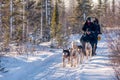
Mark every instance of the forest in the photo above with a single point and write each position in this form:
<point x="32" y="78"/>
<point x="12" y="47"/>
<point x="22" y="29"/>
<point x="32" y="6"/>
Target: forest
<point x="25" y="22"/>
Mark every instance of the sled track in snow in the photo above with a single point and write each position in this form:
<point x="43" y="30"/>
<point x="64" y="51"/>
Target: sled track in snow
<point x="50" y="67"/>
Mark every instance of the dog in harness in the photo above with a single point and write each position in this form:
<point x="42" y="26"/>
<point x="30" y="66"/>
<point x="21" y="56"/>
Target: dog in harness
<point x="74" y="55"/>
<point x="81" y="54"/>
<point x="66" y="55"/>
<point x="88" y="49"/>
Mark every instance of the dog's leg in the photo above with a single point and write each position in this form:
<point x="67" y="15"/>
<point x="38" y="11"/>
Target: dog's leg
<point x="63" y="62"/>
<point x="86" y="54"/>
<point x="71" y="61"/>
<point x="90" y="53"/>
<point x="78" y="60"/>
<point x="68" y="60"/>
<point x="81" y="55"/>
<point x="94" y="49"/>
<point x="75" y="62"/>
<point x="81" y="58"/>
<point x="78" y="57"/>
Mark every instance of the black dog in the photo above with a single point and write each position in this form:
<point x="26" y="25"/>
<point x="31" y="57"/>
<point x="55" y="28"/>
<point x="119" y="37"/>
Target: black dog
<point x="66" y="55"/>
<point x="80" y="47"/>
<point x="66" y="52"/>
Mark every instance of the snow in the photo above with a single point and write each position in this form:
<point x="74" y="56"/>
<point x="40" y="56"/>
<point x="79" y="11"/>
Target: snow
<point x="46" y="64"/>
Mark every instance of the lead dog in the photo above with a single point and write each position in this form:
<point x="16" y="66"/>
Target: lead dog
<point x="65" y="55"/>
<point x="81" y="54"/>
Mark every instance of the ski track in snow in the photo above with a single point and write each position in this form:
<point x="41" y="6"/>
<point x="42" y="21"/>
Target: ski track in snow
<point x="50" y="68"/>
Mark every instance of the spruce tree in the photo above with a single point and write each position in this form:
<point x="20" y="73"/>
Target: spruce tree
<point x="62" y="37"/>
<point x="56" y="26"/>
<point x="55" y="21"/>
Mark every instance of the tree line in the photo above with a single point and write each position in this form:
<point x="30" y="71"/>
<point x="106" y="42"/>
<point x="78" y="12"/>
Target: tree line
<point x="51" y="19"/>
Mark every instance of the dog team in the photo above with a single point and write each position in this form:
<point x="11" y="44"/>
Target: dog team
<point x="75" y="55"/>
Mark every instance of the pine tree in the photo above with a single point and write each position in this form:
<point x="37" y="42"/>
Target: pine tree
<point x="63" y="33"/>
<point x="56" y="26"/>
<point x="55" y="21"/>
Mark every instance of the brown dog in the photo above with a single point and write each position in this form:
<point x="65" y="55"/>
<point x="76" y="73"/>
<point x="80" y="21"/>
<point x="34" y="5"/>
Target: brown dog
<point x="74" y="56"/>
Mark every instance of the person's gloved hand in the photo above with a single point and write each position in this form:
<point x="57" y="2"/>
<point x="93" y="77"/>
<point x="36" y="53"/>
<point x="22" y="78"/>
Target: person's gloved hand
<point x="99" y="37"/>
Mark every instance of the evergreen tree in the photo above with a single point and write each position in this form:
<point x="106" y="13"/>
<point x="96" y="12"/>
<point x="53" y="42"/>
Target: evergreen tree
<point x="56" y="26"/>
<point x="55" y="21"/>
<point x="63" y="33"/>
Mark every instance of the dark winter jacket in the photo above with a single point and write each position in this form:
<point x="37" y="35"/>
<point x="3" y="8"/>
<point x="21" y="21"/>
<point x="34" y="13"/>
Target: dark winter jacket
<point x="88" y="26"/>
<point x="88" y="38"/>
<point x="94" y="28"/>
<point x="97" y="28"/>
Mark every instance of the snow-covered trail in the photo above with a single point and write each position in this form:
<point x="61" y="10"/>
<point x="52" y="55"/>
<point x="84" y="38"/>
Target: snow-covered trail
<point x="50" y="68"/>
